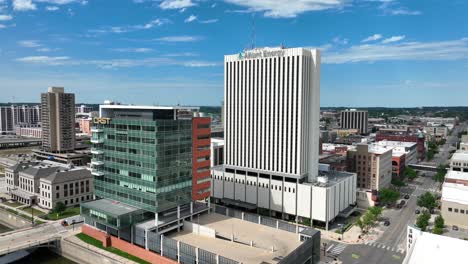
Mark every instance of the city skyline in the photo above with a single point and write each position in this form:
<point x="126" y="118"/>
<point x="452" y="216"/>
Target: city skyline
<point x="171" y="52"/>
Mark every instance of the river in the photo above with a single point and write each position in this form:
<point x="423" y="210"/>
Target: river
<point x="39" y="256"/>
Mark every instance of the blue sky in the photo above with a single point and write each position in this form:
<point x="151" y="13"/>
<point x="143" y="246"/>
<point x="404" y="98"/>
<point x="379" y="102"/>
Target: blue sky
<point x="374" y="52"/>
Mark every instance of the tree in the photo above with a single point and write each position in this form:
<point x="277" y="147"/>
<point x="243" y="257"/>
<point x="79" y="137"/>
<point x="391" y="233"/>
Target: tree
<point x="410" y="173"/>
<point x="423" y="221"/>
<point x="427" y="200"/>
<point x="439" y="222"/>
<point x="376" y="211"/>
<point x="388" y="196"/>
<point x="438" y="230"/>
<point x="440" y="175"/>
<point x="59" y="208"/>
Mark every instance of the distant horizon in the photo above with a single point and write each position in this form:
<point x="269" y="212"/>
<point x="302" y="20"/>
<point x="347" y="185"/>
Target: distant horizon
<point x="349" y="107"/>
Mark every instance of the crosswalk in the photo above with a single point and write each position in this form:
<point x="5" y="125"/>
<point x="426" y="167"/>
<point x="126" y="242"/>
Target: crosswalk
<point x="382" y="246"/>
<point x="335" y="249"/>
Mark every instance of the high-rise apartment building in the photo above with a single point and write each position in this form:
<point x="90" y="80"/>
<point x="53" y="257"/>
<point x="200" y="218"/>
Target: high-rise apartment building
<point x="355" y="119"/>
<point x="6" y="120"/>
<point x="271" y="150"/>
<point x="58" y="120"/>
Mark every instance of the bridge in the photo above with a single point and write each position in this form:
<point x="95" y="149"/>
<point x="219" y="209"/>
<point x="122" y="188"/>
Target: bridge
<point x="421" y="167"/>
<point x="47" y="235"/>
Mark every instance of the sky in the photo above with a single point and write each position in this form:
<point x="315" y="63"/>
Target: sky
<point x="390" y="53"/>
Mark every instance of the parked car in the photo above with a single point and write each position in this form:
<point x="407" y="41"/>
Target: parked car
<point x="398" y="206"/>
<point x="407" y="196"/>
<point x="432" y="211"/>
<point x="402" y="202"/>
<point x="455" y="228"/>
<point x="387" y="223"/>
<point x="64" y="223"/>
<point x="417" y="211"/>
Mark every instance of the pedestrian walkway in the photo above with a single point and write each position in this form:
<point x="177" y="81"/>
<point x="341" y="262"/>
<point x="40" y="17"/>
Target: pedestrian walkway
<point x="336" y="249"/>
<point x="383" y="246"/>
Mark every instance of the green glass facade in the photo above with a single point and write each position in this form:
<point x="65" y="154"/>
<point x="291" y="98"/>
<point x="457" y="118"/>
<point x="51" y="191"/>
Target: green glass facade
<point x="144" y="163"/>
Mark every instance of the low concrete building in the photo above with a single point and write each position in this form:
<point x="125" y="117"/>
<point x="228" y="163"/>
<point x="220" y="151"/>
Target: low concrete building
<point x="333" y="193"/>
<point x="454" y="200"/>
<point x="436" y="132"/>
<point x="29" y="131"/>
<point x="46" y="183"/>
<point x="459" y="161"/>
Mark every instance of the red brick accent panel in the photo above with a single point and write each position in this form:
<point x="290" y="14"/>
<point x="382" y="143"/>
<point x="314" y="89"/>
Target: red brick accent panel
<point x="127" y="247"/>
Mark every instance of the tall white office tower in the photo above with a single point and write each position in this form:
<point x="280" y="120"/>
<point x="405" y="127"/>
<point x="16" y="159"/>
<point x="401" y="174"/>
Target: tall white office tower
<point x="272" y="106"/>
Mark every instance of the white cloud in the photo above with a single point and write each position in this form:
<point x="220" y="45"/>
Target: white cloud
<point x="44" y="60"/>
<point x="135" y="50"/>
<point x="5" y="17"/>
<point x="209" y="21"/>
<point x="439" y="50"/>
<point x="404" y="11"/>
<point x="23" y="5"/>
<point x="393" y="39"/>
<point x="123" y="29"/>
<point x="394" y="8"/>
<point x="63" y="2"/>
<point x="341" y="41"/>
<point x="2" y="26"/>
<point x="176" y="4"/>
<point x="179" y="39"/>
<point x="291" y="8"/>
<point x="114" y="63"/>
<point x="372" y="38"/>
<point x="29" y="43"/>
<point x="52" y="8"/>
<point x="191" y="18"/>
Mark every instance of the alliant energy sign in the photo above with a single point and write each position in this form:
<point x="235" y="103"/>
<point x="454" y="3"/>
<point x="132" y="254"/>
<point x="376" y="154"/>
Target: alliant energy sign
<point x="261" y="54"/>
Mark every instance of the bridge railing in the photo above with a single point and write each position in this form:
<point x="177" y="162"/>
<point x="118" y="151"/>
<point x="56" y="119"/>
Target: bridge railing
<point x="29" y="244"/>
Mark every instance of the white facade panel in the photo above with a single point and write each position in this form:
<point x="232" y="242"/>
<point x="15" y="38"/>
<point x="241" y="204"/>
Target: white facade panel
<point x="289" y="198"/>
<point x="228" y="185"/>
<point x="276" y="192"/>
<point x="263" y="193"/>
<point x="319" y="203"/>
<point x="304" y="200"/>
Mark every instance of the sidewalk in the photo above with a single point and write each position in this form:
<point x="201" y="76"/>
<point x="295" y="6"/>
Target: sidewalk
<point x="23" y="213"/>
<point x="352" y="236"/>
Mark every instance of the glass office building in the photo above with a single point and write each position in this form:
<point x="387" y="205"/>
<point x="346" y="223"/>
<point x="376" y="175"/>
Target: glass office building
<point x="142" y="156"/>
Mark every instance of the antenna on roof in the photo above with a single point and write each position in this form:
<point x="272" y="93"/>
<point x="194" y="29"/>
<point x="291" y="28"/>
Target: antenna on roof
<point x="253" y="30"/>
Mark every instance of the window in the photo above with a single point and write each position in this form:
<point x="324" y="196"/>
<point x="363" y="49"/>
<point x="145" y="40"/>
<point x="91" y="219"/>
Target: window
<point x="462" y="211"/>
<point x="57" y="195"/>
<point x="57" y="187"/>
<point x="456" y="210"/>
<point x="66" y="202"/>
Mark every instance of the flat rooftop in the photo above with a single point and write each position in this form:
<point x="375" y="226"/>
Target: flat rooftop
<point x="390" y="143"/>
<point x="457" y="175"/>
<point x="460" y="155"/>
<point x="454" y="192"/>
<point x="149" y="107"/>
<point x="111" y="207"/>
<point x="434" y="249"/>
<point x="264" y="239"/>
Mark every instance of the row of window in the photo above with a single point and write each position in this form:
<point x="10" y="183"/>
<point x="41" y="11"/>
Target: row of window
<point x="456" y="210"/>
<point x="254" y="183"/>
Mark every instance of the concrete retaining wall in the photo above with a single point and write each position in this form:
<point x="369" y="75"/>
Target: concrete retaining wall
<point x="111" y="241"/>
<point x="199" y="229"/>
<point x="80" y="254"/>
<point x="13" y="221"/>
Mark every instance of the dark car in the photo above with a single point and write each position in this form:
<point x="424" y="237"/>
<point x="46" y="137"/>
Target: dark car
<point x="455" y="228"/>
<point x="398" y="206"/>
<point x="417" y="211"/>
<point x="402" y="202"/>
<point x="432" y="211"/>
<point x="386" y="223"/>
<point x="407" y="196"/>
